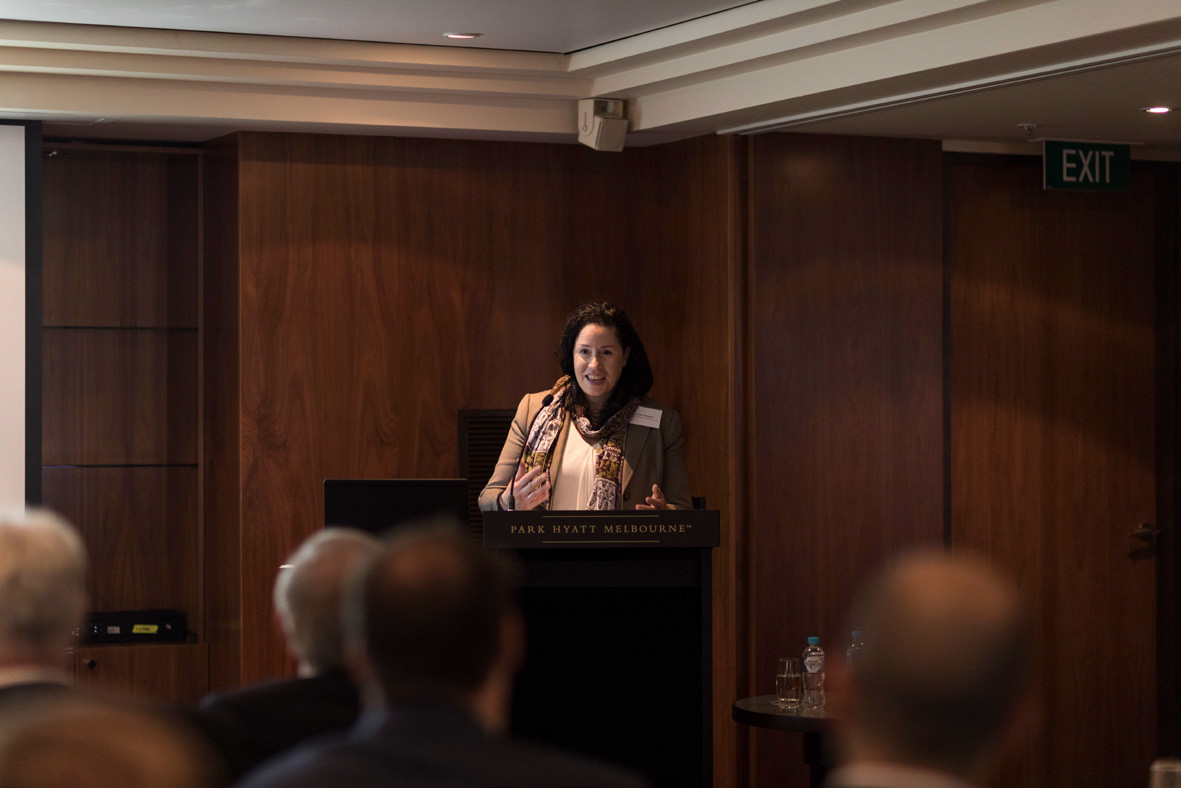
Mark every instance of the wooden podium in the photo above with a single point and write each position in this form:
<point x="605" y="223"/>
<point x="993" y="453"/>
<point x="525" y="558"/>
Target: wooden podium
<point x="618" y="612"/>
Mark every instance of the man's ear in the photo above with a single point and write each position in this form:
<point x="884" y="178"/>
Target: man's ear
<point x="280" y="625"/>
<point x="360" y="670"/>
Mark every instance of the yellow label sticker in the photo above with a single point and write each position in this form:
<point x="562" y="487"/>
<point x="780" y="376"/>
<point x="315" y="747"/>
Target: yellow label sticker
<point x="145" y="629"/>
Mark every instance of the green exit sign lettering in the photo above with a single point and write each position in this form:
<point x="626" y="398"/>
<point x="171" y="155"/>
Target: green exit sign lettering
<point x="1086" y="166"/>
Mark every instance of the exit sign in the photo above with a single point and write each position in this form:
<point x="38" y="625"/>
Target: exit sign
<point x="1086" y="166"/>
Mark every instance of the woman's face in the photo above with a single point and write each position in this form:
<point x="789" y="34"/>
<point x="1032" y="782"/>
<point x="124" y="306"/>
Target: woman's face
<point x="598" y="362"/>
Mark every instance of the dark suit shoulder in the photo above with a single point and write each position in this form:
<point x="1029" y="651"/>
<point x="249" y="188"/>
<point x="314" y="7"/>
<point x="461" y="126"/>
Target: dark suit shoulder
<point x="357" y="764"/>
<point x="523" y="764"/>
<point x="667" y="413"/>
<point x="435" y="747"/>
<point x="648" y="402"/>
<point x="335" y="685"/>
<point x="256" y="722"/>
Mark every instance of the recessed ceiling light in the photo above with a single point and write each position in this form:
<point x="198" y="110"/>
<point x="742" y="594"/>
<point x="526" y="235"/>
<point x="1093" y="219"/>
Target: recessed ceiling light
<point x="1158" y="110"/>
<point x="462" y="35"/>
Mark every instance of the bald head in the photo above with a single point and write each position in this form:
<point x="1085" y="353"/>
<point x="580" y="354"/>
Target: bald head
<point x="309" y="591"/>
<point x="42" y="585"/>
<point x="90" y="743"/>
<point x="944" y="662"/>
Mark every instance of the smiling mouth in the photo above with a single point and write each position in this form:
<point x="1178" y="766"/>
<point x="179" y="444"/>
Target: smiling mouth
<point x="595" y="381"/>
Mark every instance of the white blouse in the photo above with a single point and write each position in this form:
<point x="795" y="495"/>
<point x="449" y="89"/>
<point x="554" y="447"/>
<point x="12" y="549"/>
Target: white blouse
<point x="576" y="474"/>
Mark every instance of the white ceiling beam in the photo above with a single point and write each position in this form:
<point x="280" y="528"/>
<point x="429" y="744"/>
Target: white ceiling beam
<point x="983" y="50"/>
<point x="776" y="61"/>
<point x="54" y="96"/>
<point x="121" y="65"/>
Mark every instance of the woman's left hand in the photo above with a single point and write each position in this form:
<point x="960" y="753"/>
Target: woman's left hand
<point x="655" y="500"/>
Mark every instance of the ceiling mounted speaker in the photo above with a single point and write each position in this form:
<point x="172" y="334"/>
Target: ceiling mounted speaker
<point x="601" y="124"/>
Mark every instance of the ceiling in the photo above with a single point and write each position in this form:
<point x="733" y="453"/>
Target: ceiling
<point x="529" y="25"/>
<point x="969" y="72"/>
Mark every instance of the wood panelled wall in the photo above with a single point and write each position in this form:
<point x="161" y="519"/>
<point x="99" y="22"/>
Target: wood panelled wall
<point x="120" y="432"/>
<point x="119" y="239"/>
<point x="368" y="289"/>
<point x="800" y="311"/>
<point x="1054" y="445"/>
<point x="846" y="426"/>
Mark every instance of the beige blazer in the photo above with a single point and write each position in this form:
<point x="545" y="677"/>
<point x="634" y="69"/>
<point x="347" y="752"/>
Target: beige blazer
<point x="650" y="456"/>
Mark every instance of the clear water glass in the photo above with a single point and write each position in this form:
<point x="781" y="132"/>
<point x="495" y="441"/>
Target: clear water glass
<point x="789" y="682"/>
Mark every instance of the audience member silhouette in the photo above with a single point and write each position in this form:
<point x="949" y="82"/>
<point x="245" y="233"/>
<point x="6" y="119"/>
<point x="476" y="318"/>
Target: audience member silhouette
<point x="941" y="682"/>
<point x="254" y="723"/>
<point x="436" y="637"/>
<point x="42" y="602"/>
<point x="80" y="741"/>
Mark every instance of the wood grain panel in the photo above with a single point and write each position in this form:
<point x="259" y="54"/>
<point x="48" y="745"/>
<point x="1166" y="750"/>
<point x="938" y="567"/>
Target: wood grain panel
<point x="845" y="427"/>
<point x="140" y="528"/>
<point x="119" y="397"/>
<point x="387" y="284"/>
<point x="1052" y="447"/>
<point x="120" y="239"/>
<point x="173" y="672"/>
<point x="220" y="418"/>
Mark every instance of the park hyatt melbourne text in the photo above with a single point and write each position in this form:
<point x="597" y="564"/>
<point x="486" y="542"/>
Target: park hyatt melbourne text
<point x="673" y="528"/>
<point x="558" y="529"/>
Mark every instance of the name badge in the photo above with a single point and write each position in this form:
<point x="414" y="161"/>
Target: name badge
<point x="647" y="417"/>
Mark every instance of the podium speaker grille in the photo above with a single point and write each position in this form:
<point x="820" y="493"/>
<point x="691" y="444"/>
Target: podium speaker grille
<point x="481" y="437"/>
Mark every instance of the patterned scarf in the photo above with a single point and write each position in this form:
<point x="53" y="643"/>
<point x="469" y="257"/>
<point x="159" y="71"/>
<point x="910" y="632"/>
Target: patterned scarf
<point x="607" y="489"/>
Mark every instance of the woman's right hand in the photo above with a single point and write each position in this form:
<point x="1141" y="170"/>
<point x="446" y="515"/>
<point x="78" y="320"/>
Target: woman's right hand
<point x="529" y="490"/>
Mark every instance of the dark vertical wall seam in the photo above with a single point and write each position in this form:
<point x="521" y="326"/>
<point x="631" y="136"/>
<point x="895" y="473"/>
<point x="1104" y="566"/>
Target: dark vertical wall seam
<point x="1168" y="343"/>
<point x="947" y="165"/>
<point x="33" y="247"/>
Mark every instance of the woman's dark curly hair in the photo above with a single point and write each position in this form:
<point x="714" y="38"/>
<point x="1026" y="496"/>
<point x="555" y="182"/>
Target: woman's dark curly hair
<point x="636" y="378"/>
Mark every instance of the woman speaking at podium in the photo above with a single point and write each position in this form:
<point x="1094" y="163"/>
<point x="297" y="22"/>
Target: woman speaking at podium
<point x="595" y="440"/>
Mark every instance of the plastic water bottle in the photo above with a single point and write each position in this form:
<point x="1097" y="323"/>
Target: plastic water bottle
<point x="813" y="675"/>
<point x="853" y="652"/>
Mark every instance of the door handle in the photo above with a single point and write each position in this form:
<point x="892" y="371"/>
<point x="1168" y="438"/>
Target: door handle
<point x="1147" y="531"/>
<point x="1148" y="535"/>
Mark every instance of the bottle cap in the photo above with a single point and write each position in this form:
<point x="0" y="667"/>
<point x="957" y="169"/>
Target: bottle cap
<point x="813" y="641"/>
<point x="857" y="634"/>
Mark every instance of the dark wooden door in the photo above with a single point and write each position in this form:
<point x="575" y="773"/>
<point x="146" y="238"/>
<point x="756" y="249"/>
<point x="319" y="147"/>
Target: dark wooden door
<point x="1052" y="394"/>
